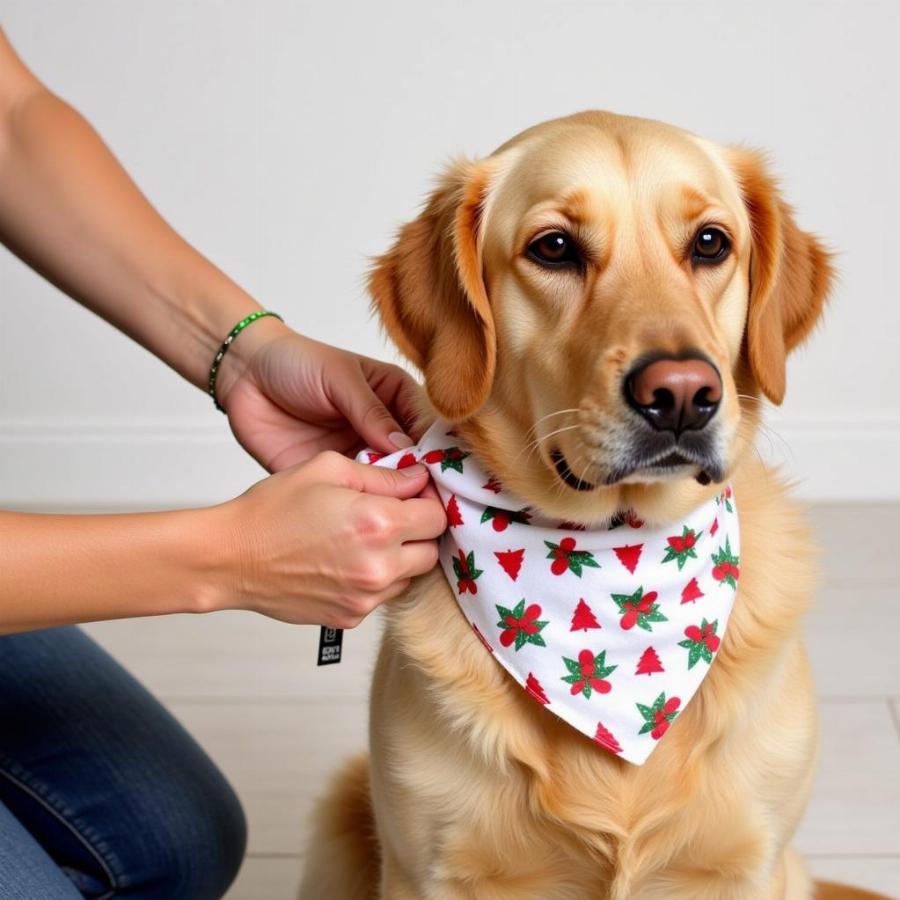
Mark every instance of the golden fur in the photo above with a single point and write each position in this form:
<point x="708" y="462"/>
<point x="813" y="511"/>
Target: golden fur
<point x="472" y="789"/>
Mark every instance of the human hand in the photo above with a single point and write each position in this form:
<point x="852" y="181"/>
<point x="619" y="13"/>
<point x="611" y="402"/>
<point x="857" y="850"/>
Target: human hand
<point x="326" y="542"/>
<point x="289" y="397"/>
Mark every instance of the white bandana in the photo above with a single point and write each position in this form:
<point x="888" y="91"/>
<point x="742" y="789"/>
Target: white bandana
<point x="610" y="629"/>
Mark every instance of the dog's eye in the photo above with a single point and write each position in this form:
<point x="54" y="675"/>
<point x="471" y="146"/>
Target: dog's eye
<point x="711" y="245"/>
<point x="554" y="249"/>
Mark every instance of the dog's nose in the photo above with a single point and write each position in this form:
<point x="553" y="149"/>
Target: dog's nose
<point x="675" y="394"/>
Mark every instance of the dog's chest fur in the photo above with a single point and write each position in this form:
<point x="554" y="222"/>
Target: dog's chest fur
<point x="476" y="785"/>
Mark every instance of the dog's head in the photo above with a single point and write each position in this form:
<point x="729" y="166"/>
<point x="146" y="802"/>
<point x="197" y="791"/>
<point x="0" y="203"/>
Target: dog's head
<point x="599" y="305"/>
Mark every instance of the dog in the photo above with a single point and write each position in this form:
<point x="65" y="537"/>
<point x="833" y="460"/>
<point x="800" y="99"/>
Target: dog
<point x="617" y="295"/>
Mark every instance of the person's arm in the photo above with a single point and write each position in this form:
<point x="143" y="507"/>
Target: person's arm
<point x="259" y="552"/>
<point x="70" y="211"/>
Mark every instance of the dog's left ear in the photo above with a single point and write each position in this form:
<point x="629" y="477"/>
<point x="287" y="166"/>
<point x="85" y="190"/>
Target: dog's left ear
<point x="791" y="275"/>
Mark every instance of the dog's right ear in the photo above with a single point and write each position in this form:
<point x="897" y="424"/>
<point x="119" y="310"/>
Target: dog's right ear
<point x="430" y="293"/>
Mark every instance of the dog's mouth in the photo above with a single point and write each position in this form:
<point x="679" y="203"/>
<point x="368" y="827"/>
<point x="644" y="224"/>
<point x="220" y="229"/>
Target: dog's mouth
<point x="567" y="476"/>
<point x="661" y="468"/>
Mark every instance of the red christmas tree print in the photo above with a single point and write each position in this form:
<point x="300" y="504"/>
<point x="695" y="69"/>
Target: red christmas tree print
<point x="714" y="527"/>
<point x="510" y="561"/>
<point x="605" y="738"/>
<point x="533" y="686"/>
<point x="454" y="516"/>
<point x="407" y="460"/>
<point x="649" y="663"/>
<point x="629" y="555"/>
<point x="482" y="638"/>
<point x="726" y="569"/>
<point x="566" y="557"/>
<point x="682" y="547"/>
<point x="466" y="572"/>
<point x="449" y="458"/>
<point x="521" y="626"/>
<point x="373" y="456"/>
<point x="500" y="518"/>
<point x="658" y="716"/>
<point x="492" y="484"/>
<point x="583" y="618"/>
<point x="691" y="592"/>
<point x="638" y="609"/>
<point x="588" y="674"/>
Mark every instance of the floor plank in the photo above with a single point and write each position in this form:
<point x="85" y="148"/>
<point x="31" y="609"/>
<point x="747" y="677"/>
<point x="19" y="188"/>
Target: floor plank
<point x="279" y="757"/>
<point x="855" y="807"/>
<point x="876" y="873"/>
<point x="267" y="878"/>
<point x="238" y="655"/>
<point x="851" y="636"/>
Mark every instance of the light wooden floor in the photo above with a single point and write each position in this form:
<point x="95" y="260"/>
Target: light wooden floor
<point x="249" y="689"/>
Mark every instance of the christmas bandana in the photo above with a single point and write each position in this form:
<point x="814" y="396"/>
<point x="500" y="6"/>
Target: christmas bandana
<point x="611" y="628"/>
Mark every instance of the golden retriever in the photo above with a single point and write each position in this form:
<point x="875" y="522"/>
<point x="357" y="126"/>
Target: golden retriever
<point x="534" y="281"/>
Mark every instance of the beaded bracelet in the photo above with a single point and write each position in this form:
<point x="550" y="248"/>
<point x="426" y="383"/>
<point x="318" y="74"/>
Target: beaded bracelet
<point x="217" y="360"/>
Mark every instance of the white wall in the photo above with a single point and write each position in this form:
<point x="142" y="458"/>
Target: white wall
<point x="287" y="140"/>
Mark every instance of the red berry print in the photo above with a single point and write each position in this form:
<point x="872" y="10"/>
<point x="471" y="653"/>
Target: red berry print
<point x="466" y="572"/>
<point x="659" y="715"/>
<point x="701" y="642"/>
<point x="726" y="569"/>
<point x="521" y="625"/>
<point x="449" y="458"/>
<point x="407" y="460"/>
<point x="588" y="674"/>
<point x="566" y="557"/>
<point x="373" y="457"/>
<point x="638" y="609"/>
<point x="501" y="518"/>
<point x="681" y="547"/>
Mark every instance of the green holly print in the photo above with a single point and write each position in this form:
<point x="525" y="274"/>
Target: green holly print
<point x="658" y="716"/>
<point x="466" y="572"/>
<point x="588" y="673"/>
<point x="521" y="625"/>
<point x="727" y="566"/>
<point x="724" y="499"/>
<point x="449" y="458"/>
<point x="566" y="558"/>
<point x="501" y="518"/>
<point x="682" y="547"/>
<point x="638" y="609"/>
<point x="701" y="642"/>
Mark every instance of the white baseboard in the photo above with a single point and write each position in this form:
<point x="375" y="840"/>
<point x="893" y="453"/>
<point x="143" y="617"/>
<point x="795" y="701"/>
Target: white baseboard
<point x="156" y="465"/>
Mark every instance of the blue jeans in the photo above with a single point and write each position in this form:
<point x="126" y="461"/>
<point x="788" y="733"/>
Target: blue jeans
<point x="102" y="793"/>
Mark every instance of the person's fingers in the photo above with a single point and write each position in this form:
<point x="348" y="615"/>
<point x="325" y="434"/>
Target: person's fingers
<point x="418" y="557"/>
<point x="368" y="414"/>
<point x="400" y="483"/>
<point x="422" y="519"/>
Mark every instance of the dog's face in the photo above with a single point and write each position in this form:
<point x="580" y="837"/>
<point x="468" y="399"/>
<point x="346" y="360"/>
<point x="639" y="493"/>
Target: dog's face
<point x="599" y="305"/>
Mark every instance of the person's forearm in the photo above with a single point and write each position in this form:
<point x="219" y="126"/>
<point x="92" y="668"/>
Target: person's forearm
<point x="58" y="570"/>
<point x="69" y="210"/>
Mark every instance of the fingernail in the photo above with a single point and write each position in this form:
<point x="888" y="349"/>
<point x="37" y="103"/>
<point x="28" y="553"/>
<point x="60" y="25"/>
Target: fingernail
<point x="400" y="440"/>
<point x="415" y="471"/>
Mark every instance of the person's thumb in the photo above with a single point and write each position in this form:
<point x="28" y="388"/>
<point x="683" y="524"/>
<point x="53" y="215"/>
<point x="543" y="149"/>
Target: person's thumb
<point x="370" y="418"/>
<point x="400" y="483"/>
